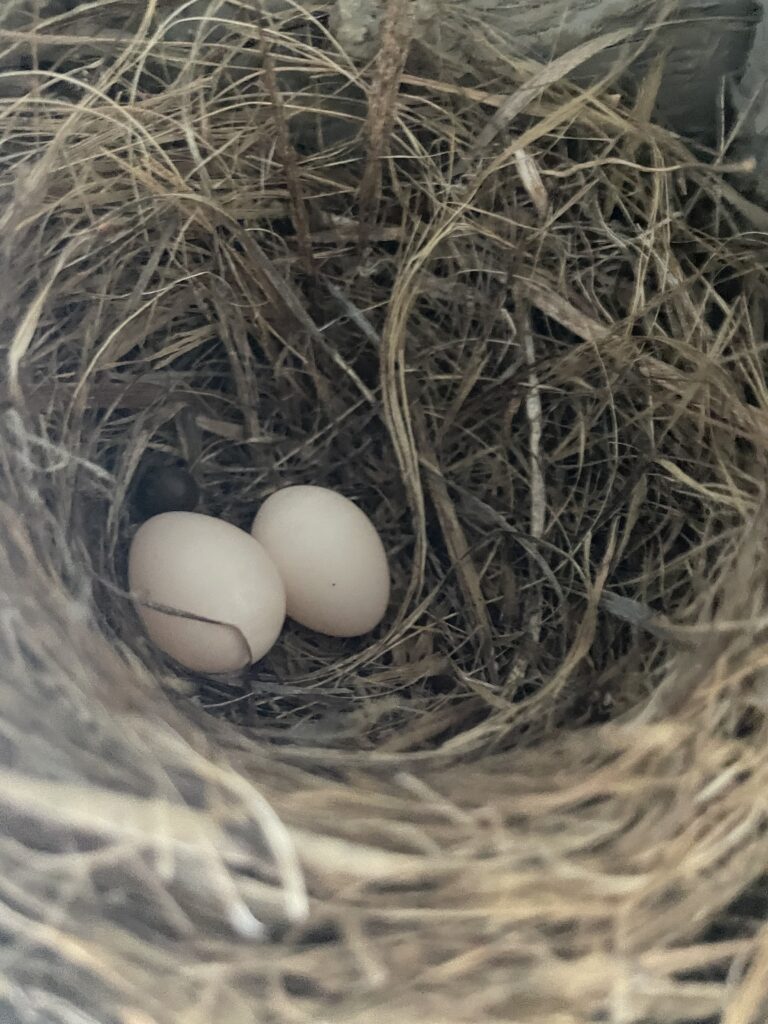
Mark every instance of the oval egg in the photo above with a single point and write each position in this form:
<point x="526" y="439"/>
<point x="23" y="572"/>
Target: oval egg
<point x="330" y="557"/>
<point x="208" y="569"/>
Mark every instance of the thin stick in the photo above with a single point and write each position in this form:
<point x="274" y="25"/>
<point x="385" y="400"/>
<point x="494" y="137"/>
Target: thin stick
<point x="396" y="31"/>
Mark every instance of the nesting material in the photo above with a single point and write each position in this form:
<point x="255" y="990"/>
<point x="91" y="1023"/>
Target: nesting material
<point x="539" y="364"/>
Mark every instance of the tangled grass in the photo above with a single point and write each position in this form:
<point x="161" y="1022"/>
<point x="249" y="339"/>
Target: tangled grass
<point x="522" y="327"/>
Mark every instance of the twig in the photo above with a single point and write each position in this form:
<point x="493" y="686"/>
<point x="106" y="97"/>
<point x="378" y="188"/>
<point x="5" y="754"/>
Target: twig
<point x="396" y="31"/>
<point x="534" y="414"/>
<point x="358" y="318"/>
<point x="288" y="158"/>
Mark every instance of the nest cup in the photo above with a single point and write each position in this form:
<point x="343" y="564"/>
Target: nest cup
<point x="533" y="351"/>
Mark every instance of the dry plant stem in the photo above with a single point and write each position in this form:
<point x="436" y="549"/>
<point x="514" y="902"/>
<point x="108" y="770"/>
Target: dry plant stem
<point x="396" y="31"/>
<point x="535" y="419"/>
<point x="458" y="548"/>
<point x="288" y="157"/>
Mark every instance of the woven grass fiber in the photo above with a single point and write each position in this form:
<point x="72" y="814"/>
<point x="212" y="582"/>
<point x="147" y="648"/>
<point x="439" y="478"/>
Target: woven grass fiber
<point x="524" y="328"/>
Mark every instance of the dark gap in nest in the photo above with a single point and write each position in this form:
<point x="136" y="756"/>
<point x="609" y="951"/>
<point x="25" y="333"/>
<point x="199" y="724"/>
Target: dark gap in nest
<point x="302" y="986"/>
<point x="745" y="915"/>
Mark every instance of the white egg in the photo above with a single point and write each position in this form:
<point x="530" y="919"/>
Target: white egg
<point x="205" y="567"/>
<point x="330" y="557"/>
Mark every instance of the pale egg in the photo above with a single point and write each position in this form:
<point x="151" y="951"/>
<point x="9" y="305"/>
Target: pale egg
<point x="207" y="569"/>
<point x="330" y="557"/>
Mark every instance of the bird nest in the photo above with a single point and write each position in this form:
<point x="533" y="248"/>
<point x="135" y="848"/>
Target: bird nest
<point x="524" y="329"/>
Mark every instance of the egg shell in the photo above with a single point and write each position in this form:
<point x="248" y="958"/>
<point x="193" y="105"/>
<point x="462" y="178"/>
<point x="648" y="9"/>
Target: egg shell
<point x="206" y="567"/>
<point x="330" y="557"/>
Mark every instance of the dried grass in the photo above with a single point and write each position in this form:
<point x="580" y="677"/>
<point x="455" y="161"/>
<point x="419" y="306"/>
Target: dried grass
<point x="539" y="795"/>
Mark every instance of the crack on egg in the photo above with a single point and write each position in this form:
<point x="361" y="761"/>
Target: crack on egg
<point x="239" y="634"/>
